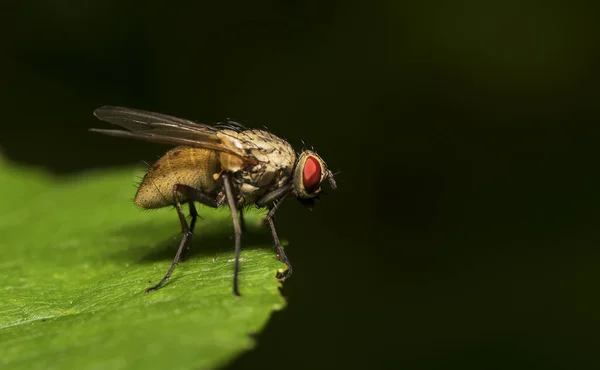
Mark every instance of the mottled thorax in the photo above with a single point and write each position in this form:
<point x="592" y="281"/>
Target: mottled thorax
<point x="275" y="162"/>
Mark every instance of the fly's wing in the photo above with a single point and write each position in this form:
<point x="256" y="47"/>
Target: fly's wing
<point x="164" y="129"/>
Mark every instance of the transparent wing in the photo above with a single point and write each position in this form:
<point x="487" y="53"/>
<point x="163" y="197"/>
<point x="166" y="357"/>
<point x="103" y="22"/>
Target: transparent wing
<point x="160" y="128"/>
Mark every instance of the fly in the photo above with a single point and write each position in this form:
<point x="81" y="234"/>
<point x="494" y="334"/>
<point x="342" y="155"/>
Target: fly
<point x="221" y="165"/>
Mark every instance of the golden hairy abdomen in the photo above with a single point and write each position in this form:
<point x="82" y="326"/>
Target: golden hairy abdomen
<point x="193" y="167"/>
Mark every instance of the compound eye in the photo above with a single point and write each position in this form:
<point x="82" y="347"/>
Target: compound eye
<point x="311" y="174"/>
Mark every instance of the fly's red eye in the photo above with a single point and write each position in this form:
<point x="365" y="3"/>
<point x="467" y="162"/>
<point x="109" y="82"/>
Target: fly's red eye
<point x="311" y="174"/>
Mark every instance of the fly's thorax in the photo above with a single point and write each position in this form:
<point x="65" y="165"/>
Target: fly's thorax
<point x="276" y="160"/>
<point x="267" y="164"/>
<point x="261" y="145"/>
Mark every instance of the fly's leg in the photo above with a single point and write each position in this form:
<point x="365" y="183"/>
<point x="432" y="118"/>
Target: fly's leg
<point x="194" y="216"/>
<point x="278" y="248"/>
<point x="192" y="194"/>
<point x="237" y="229"/>
<point x="273" y="196"/>
<point x="195" y="195"/>
<point x="275" y="199"/>
<point x="242" y="220"/>
<point x="187" y="234"/>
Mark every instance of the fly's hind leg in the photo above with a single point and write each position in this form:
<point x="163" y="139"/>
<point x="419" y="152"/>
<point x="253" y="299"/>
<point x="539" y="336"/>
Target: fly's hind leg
<point x="193" y="195"/>
<point x="194" y="216"/>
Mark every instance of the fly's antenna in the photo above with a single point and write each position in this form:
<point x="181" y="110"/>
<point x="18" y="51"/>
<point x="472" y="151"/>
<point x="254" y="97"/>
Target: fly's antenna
<point x="332" y="182"/>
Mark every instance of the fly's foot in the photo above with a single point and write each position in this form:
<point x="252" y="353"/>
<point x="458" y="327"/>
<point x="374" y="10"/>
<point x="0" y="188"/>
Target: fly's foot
<point x="283" y="275"/>
<point x="152" y="288"/>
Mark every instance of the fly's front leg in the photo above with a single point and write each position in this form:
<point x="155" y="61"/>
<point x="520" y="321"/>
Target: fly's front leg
<point x="276" y="198"/>
<point x="193" y="195"/>
<point x="278" y="248"/>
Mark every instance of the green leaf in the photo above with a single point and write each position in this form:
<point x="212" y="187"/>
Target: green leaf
<point x="76" y="256"/>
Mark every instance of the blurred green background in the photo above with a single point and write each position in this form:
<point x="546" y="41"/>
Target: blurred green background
<point x="464" y="230"/>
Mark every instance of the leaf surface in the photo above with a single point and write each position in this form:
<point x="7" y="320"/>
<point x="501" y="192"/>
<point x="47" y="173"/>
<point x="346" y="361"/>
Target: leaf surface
<point x="76" y="256"/>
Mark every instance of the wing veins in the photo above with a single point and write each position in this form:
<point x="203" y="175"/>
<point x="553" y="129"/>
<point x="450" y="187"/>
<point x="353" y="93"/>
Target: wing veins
<point x="160" y="128"/>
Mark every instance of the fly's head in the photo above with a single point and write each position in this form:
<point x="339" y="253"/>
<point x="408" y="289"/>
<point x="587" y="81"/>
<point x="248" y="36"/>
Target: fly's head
<point x="309" y="174"/>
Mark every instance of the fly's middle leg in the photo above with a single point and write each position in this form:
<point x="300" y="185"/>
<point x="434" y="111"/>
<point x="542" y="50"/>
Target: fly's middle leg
<point x="237" y="230"/>
<point x="242" y="220"/>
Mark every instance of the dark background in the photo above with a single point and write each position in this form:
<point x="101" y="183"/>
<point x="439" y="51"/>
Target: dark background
<point x="464" y="230"/>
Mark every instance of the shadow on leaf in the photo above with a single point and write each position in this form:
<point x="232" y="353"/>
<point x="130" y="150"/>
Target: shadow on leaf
<point x="207" y="241"/>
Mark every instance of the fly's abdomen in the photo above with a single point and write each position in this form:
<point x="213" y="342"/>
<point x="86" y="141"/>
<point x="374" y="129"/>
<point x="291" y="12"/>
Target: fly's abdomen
<point x="193" y="167"/>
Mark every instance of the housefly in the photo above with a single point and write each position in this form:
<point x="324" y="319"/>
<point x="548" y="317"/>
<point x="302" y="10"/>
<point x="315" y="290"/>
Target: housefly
<point x="222" y="165"/>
